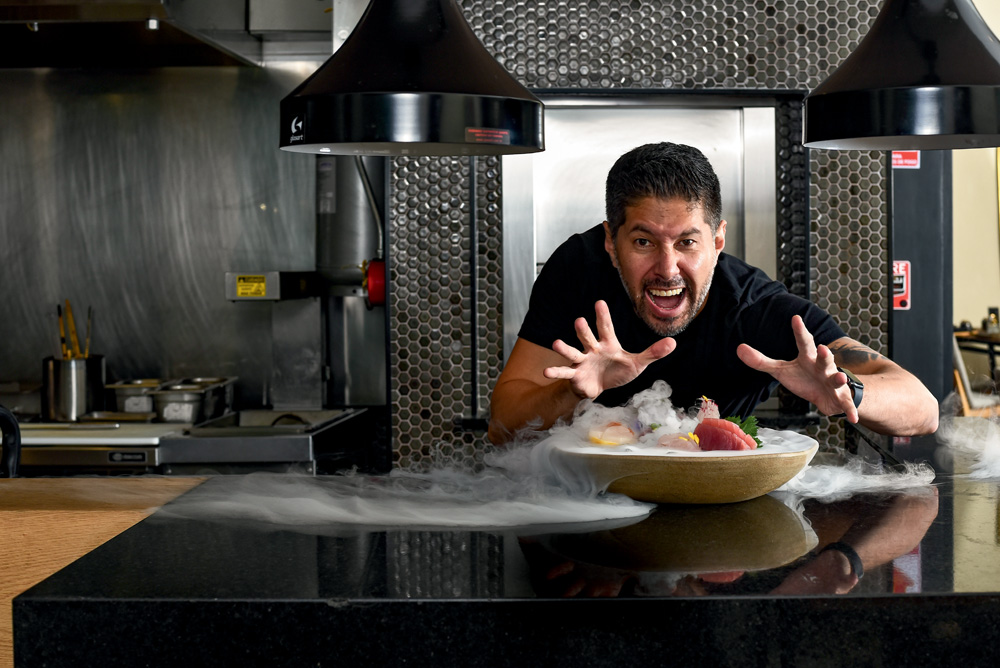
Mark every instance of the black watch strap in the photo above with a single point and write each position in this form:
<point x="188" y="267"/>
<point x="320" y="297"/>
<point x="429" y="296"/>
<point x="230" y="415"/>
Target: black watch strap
<point x="857" y="389"/>
<point x="857" y="567"/>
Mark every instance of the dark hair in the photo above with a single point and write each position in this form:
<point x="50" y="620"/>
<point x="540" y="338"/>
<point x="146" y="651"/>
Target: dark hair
<point x="664" y="171"/>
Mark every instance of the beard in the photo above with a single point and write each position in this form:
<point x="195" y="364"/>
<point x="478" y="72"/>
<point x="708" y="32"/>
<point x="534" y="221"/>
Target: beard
<point x="670" y="326"/>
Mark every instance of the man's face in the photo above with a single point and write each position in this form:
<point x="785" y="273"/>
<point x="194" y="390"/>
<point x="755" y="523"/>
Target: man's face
<point x="666" y="254"/>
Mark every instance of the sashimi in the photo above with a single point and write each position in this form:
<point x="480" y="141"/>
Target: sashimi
<point x="687" y="442"/>
<point x="613" y="433"/>
<point x="708" y="409"/>
<point x="716" y="434"/>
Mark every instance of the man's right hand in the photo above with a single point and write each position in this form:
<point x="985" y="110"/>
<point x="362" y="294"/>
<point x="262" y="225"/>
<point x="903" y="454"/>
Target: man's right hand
<point x="603" y="364"/>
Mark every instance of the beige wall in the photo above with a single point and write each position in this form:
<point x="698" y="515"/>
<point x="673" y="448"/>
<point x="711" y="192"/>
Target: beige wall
<point x="976" y="225"/>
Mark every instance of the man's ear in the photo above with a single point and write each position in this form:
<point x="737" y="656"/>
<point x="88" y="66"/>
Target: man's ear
<point x="720" y="236"/>
<point x="609" y="244"/>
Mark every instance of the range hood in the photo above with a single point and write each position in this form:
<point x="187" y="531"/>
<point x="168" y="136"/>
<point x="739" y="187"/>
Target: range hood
<point x="926" y="76"/>
<point x="411" y="79"/>
<point x="118" y="33"/>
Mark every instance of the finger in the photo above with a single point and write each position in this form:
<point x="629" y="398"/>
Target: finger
<point x="825" y="356"/>
<point x="803" y="338"/>
<point x="559" y="373"/>
<point x="574" y="588"/>
<point x="658" y="350"/>
<point x="572" y="355"/>
<point x="585" y="335"/>
<point x="755" y="359"/>
<point x="559" y="570"/>
<point x="605" y="328"/>
<point x="845" y="400"/>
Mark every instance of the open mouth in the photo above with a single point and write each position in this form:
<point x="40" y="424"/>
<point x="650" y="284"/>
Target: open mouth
<point x="666" y="300"/>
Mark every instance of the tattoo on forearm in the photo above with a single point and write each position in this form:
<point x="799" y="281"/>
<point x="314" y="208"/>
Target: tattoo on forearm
<point x="855" y="353"/>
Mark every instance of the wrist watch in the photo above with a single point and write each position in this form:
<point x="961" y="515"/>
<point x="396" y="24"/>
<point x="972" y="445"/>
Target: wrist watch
<point x="857" y="389"/>
<point x="857" y="567"/>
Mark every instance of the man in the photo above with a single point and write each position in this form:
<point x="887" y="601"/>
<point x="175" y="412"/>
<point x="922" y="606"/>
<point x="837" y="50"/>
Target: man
<point x="703" y="321"/>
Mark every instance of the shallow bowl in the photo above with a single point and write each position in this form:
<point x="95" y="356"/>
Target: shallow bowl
<point x="659" y="475"/>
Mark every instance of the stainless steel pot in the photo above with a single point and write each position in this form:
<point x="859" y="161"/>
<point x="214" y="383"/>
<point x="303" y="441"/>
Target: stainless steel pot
<point x="10" y="445"/>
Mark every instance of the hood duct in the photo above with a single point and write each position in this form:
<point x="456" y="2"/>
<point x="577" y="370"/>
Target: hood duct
<point x="412" y="79"/>
<point x="926" y="76"/>
<point x="118" y="33"/>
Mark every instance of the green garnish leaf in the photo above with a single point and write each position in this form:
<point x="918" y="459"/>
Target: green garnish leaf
<point x="654" y="426"/>
<point x="749" y="426"/>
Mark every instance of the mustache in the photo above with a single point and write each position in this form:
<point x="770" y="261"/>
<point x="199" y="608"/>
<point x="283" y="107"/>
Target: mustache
<point x="673" y="283"/>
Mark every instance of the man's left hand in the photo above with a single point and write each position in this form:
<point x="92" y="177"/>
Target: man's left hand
<point x="812" y="375"/>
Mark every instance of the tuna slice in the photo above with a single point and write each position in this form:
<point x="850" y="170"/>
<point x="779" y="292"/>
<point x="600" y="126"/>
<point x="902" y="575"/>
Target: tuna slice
<point x="716" y="434"/>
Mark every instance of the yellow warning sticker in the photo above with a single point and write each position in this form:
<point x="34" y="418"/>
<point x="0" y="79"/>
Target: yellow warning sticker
<point x="251" y="285"/>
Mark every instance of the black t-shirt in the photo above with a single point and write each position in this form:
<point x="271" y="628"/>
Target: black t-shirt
<point x="743" y="306"/>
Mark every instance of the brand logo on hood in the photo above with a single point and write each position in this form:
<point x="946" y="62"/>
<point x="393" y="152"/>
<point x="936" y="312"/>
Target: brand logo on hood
<point x="296" y="127"/>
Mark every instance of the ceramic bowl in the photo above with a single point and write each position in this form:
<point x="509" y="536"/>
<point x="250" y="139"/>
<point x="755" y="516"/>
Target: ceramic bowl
<point x="659" y="475"/>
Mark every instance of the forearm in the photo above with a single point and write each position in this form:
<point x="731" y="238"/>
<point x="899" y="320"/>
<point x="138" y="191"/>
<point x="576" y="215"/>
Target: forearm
<point x="896" y="530"/>
<point x="517" y="404"/>
<point x="895" y="402"/>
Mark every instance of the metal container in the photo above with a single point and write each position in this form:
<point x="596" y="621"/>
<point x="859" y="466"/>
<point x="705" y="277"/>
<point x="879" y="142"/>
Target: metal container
<point x="218" y="395"/>
<point x="193" y="400"/>
<point x="178" y="402"/>
<point x="65" y="389"/>
<point x="132" y="396"/>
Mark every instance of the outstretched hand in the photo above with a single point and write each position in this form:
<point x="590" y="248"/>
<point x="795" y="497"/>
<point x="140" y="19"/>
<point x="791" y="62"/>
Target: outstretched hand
<point x="812" y="375"/>
<point x="602" y="364"/>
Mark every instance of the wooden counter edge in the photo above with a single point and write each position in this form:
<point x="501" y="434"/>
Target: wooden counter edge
<point x="48" y="523"/>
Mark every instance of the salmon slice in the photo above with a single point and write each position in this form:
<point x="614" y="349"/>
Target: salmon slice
<point x="716" y="434"/>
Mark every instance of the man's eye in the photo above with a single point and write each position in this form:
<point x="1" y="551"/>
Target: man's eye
<point x="643" y="243"/>
<point x="687" y="243"/>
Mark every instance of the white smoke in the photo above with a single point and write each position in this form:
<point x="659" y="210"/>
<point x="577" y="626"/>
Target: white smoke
<point x="976" y="439"/>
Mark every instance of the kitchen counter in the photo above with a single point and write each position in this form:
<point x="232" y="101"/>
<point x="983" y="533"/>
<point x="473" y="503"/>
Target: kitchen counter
<point x="736" y="584"/>
<point x="46" y="524"/>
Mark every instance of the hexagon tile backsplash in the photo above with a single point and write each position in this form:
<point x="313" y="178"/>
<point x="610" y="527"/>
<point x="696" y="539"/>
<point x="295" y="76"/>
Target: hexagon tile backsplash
<point x="446" y="328"/>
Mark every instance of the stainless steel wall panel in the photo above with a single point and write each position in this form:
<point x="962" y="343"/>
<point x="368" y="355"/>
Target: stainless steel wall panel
<point x="134" y="192"/>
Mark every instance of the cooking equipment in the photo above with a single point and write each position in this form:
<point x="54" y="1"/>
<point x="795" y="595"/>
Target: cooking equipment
<point x="10" y="444"/>
<point x="719" y="476"/>
<point x="260" y="440"/>
<point x="95" y="445"/>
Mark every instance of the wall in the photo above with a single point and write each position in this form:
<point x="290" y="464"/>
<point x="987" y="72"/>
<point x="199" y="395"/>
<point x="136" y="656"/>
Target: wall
<point x="606" y="45"/>
<point x="977" y="226"/>
<point x="134" y="192"/>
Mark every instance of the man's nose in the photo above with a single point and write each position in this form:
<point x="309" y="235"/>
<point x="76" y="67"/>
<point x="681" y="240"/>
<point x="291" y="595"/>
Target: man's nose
<point x="667" y="263"/>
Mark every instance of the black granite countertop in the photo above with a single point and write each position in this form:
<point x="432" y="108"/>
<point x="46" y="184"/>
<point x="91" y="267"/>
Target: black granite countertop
<point x="740" y="584"/>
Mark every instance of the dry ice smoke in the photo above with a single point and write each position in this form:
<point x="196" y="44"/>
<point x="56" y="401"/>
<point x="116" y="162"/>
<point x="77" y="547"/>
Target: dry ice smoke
<point x="648" y="408"/>
<point x="976" y="440"/>
<point x="522" y="487"/>
<point x="525" y="484"/>
<point x="653" y="407"/>
<point x="828" y="483"/>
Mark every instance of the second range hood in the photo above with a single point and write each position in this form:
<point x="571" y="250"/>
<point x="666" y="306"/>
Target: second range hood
<point x="162" y="33"/>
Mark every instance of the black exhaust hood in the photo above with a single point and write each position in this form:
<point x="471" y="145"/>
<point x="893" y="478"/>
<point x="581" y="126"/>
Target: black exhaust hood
<point x="926" y="76"/>
<point x="412" y="79"/>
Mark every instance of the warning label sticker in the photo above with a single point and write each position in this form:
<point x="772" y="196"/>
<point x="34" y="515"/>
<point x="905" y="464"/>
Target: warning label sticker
<point x="906" y="159"/>
<point x="251" y="285"/>
<point x="487" y="136"/>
